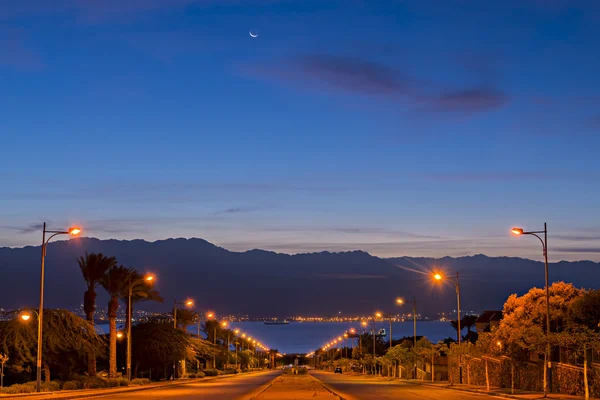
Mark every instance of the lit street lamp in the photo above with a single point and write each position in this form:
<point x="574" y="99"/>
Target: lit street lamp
<point x="400" y="301"/>
<point x="377" y="315"/>
<point x="547" y="370"/>
<point x="456" y="283"/>
<point x="147" y="279"/>
<point x="187" y="303"/>
<point x="72" y="231"/>
<point x="236" y="332"/>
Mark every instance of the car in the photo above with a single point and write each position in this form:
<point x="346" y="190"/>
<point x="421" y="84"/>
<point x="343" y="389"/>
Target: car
<point x="338" y="370"/>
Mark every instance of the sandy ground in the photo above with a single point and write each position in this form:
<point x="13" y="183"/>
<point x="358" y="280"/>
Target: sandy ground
<point x="296" y="387"/>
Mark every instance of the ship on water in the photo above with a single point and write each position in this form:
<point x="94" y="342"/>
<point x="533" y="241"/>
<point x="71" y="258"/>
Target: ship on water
<point x="276" y="322"/>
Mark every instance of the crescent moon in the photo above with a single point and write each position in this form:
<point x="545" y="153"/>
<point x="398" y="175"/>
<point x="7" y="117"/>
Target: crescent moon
<point x="253" y="35"/>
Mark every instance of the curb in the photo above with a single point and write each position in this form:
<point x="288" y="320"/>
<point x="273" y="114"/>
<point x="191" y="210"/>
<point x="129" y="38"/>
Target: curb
<point x="475" y="391"/>
<point x="81" y="394"/>
<point x="261" y="389"/>
<point x="328" y="388"/>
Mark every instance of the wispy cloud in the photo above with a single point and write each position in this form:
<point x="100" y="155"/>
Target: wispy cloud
<point x="24" y="229"/>
<point x="237" y="210"/>
<point x="371" y="78"/>
<point x="495" y="176"/>
<point x="578" y="249"/>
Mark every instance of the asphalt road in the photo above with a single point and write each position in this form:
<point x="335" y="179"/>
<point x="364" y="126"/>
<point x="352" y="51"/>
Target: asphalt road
<point x="229" y="388"/>
<point x="362" y="388"/>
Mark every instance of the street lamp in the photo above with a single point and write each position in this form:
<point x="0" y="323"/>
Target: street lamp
<point x="400" y="301"/>
<point x="147" y="279"/>
<point x="224" y="325"/>
<point x="377" y="315"/>
<point x="547" y="370"/>
<point x="236" y="332"/>
<point x="187" y="303"/>
<point x="438" y="277"/>
<point x="73" y="231"/>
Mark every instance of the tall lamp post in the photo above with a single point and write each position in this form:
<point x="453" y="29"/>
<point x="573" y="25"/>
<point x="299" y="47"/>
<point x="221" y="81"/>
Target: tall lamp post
<point x="187" y="303"/>
<point x="73" y="232"/>
<point x="147" y="279"/>
<point x="400" y="301"/>
<point x="235" y="338"/>
<point x="456" y="284"/>
<point x="377" y="315"/>
<point x="224" y="325"/>
<point x="211" y="315"/>
<point x="547" y="370"/>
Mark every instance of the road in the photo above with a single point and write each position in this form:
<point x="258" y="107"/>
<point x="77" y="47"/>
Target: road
<point x="229" y="388"/>
<point x="363" y="388"/>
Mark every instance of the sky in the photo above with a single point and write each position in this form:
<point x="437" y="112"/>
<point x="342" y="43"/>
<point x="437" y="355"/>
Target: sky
<point x="398" y="127"/>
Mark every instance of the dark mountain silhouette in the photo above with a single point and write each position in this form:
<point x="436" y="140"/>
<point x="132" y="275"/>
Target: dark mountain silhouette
<point x="262" y="283"/>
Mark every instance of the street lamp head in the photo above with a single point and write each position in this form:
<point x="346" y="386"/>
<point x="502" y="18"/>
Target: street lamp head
<point x="352" y="330"/>
<point x="340" y="338"/>
<point x="25" y="316"/>
<point x="378" y="314"/>
<point x="149" y="278"/>
<point x="437" y="277"/>
<point x="74" y="231"/>
<point x="346" y="335"/>
<point x="119" y="335"/>
<point x="517" y="231"/>
<point x="189" y="303"/>
<point x="399" y="301"/>
<point x="243" y="335"/>
<point x="364" y="323"/>
<point x="236" y="331"/>
<point x="210" y="315"/>
<point x="224" y="324"/>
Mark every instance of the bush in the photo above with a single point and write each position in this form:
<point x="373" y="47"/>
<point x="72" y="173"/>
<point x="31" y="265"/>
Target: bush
<point x="200" y="374"/>
<point x="211" y="372"/>
<point x="112" y="382"/>
<point x="18" y="388"/>
<point x="70" y="385"/>
<point x="123" y="382"/>
<point x="94" y="383"/>
<point x="51" y="386"/>
<point x="140" y="382"/>
<point x="302" y="371"/>
<point x="230" y="371"/>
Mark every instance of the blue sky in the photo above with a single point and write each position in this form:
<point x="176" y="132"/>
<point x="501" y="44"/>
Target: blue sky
<point x="397" y="127"/>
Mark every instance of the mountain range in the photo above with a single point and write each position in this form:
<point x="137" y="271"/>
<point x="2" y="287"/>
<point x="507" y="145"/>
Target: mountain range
<point x="264" y="283"/>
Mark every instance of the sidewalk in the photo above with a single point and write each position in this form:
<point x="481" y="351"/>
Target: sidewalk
<point x="495" y="391"/>
<point x="85" y="393"/>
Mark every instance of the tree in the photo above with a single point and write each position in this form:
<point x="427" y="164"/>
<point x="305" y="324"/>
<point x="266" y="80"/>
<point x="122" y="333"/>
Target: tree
<point x="114" y="282"/>
<point x="398" y="354"/>
<point x="3" y="360"/>
<point x="468" y="321"/>
<point x="93" y="267"/>
<point x="67" y="339"/>
<point x="430" y="351"/>
<point x="523" y="327"/>
<point x="582" y="330"/>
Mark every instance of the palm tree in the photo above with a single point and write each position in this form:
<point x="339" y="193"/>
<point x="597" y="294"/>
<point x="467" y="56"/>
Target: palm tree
<point x="93" y="267"/>
<point x="115" y="281"/>
<point x="468" y="321"/>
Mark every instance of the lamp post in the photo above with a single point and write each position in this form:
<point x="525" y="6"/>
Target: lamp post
<point x="147" y="279"/>
<point x="377" y="315"/>
<point x="414" y="303"/>
<point x="224" y="325"/>
<point x="187" y="303"/>
<point x="211" y="315"/>
<point x="456" y="283"/>
<point x="364" y="326"/>
<point x="346" y="343"/>
<point x="236" y="332"/>
<point x="547" y="370"/>
<point x="72" y="231"/>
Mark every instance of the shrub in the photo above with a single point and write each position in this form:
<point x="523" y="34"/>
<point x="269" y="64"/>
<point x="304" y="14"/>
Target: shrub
<point x="18" y="388"/>
<point x="70" y="385"/>
<point x="94" y="383"/>
<point x="200" y="374"/>
<point x="140" y="382"/>
<point x="123" y="382"/>
<point x="51" y="386"/>
<point x="302" y="371"/>
<point x="230" y="371"/>
<point x="211" y="372"/>
<point x="112" y="382"/>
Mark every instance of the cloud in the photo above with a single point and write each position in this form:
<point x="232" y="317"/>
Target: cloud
<point x="24" y="229"/>
<point x="498" y="176"/>
<point x="578" y="249"/>
<point x="370" y="78"/>
<point x="237" y="210"/>
<point x="576" y="238"/>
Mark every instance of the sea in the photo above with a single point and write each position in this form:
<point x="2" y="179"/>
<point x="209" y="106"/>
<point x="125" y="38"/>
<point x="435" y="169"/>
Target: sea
<point x="304" y="337"/>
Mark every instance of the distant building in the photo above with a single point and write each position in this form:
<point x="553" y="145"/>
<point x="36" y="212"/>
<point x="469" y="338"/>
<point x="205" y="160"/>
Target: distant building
<point x="488" y="321"/>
